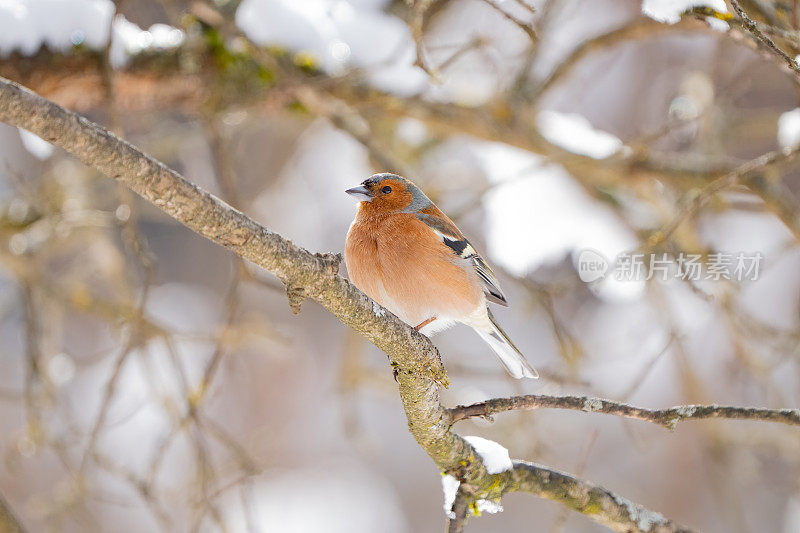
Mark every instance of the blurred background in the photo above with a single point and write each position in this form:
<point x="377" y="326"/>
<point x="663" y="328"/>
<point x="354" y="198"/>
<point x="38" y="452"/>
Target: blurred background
<point x="150" y="381"/>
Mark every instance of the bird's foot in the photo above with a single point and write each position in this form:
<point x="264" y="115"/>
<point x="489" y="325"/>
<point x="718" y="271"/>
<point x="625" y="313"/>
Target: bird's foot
<point x="422" y="325"/>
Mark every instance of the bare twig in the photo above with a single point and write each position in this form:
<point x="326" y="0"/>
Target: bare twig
<point x="474" y="44"/>
<point x="460" y="509"/>
<point x="33" y="374"/>
<point x="668" y="418"/>
<point x="521" y="24"/>
<point x="753" y="28"/>
<point x="108" y="394"/>
<point x="348" y="120"/>
<point x="420" y="8"/>
<point x="529" y="8"/>
<point x="636" y="29"/>
<point x="695" y="199"/>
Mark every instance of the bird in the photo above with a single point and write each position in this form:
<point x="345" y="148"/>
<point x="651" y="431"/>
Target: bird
<point x="408" y="256"/>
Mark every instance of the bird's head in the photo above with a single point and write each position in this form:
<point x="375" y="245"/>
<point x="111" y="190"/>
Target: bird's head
<point x="390" y="193"/>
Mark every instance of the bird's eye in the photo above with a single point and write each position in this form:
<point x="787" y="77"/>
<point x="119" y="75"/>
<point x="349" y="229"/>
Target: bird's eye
<point x="386" y="190"/>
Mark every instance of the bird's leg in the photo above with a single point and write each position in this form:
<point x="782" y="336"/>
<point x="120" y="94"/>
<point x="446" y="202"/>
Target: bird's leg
<point x="420" y="326"/>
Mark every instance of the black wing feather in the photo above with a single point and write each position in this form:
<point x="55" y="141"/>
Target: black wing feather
<point x="456" y="241"/>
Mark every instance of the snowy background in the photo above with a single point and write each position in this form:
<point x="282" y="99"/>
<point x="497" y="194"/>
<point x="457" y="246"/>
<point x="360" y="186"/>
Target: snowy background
<point x="321" y="442"/>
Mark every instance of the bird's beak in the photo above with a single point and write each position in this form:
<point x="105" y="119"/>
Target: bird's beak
<point x="361" y="193"/>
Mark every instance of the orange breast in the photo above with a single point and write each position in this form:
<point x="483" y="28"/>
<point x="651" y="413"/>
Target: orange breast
<point x="399" y="262"/>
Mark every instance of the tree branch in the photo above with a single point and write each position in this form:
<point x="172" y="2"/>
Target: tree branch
<point x="315" y="275"/>
<point x="527" y="27"/>
<point x="638" y="28"/>
<point x="460" y="509"/>
<point x="749" y="174"/>
<point x="752" y="27"/>
<point x="668" y="418"/>
<point x="614" y="512"/>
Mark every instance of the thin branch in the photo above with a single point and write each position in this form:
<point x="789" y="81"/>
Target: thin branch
<point x="108" y="394"/>
<point x="138" y="484"/>
<point x="668" y="418"/>
<point x="792" y="36"/>
<point x="527" y="27"/>
<point x="530" y="9"/>
<point x="474" y="44"/>
<point x="638" y="28"/>
<point x="350" y="121"/>
<point x="695" y="199"/>
<point x="420" y="7"/>
<point x="752" y="27"/>
<point x="460" y="509"/>
<point x="33" y="372"/>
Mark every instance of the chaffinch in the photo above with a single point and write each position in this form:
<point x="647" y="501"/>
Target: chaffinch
<point x="405" y="254"/>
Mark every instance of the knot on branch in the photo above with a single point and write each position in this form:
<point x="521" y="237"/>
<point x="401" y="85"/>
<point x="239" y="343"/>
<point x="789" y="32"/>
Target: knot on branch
<point x="330" y="262"/>
<point x="462" y="473"/>
<point x="296" y="295"/>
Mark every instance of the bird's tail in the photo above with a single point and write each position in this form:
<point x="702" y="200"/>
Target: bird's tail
<point x="506" y="351"/>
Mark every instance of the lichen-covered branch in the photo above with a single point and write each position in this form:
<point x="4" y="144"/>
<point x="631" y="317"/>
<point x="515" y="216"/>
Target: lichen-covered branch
<point x="312" y="276"/>
<point x="614" y="512"/>
<point x="668" y="418"/>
